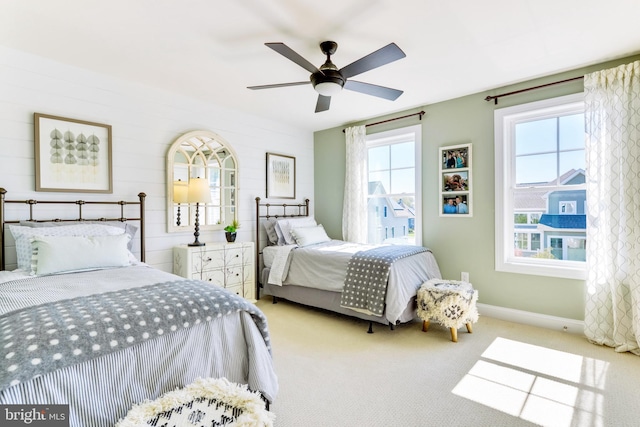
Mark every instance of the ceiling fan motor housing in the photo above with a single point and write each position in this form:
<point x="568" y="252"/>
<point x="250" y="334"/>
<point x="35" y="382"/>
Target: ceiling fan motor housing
<point x="329" y="76"/>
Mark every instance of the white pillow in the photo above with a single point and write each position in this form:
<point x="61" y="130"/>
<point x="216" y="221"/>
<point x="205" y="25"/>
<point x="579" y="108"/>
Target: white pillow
<point x="128" y="227"/>
<point x="287" y="224"/>
<point x="22" y="236"/>
<point x="306" y="236"/>
<point x="57" y="254"/>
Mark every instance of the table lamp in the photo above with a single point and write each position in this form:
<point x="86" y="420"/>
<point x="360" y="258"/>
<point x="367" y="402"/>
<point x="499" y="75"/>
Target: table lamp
<point x="180" y="195"/>
<point x="198" y="192"/>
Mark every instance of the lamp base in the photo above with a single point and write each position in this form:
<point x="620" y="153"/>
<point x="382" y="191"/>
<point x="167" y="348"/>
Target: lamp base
<point x="196" y="244"/>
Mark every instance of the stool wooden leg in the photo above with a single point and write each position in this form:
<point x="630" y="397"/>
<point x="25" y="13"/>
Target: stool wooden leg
<point x="454" y="334"/>
<point x="425" y="325"/>
<point x="469" y="328"/>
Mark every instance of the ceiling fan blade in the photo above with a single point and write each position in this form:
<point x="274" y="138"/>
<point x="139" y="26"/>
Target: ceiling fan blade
<point x="323" y="103"/>
<point x="290" y="54"/>
<point x="382" y="56"/>
<point x="278" y="85"/>
<point x="374" y="90"/>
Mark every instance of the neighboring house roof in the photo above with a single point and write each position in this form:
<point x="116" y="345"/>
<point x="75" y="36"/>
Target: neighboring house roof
<point x="376" y="187"/>
<point x="537" y="200"/>
<point x="530" y="201"/>
<point x="564" y="221"/>
<point x="398" y="209"/>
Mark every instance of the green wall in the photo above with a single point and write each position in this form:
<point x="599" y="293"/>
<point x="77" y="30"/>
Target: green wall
<point x="461" y="244"/>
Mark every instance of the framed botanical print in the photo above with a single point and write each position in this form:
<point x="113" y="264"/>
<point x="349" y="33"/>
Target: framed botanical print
<point x="72" y="155"/>
<point x="281" y="176"/>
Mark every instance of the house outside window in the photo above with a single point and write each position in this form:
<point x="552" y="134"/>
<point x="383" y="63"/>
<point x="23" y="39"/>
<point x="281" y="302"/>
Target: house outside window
<point x="394" y="186"/>
<point x="540" y="188"/>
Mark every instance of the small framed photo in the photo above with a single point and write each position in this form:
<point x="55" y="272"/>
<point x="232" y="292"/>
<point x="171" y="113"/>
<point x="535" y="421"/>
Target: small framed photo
<point x="281" y="176"/>
<point x="456" y="204"/>
<point x="455" y="181"/>
<point x="456" y="157"/>
<point x="72" y="155"/>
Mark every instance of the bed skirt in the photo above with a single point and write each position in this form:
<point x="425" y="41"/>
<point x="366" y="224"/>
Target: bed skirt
<point x="327" y="300"/>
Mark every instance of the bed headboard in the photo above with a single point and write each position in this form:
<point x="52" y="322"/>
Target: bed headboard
<point x="274" y="210"/>
<point x="31" y="203"/>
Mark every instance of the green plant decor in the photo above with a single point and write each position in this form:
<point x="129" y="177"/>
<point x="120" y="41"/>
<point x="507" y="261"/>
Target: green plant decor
<point x="233" y="227"/>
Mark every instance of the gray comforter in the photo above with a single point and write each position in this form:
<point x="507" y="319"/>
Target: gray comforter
<point x="323" y="266"/>
<point x="132" y="360"/>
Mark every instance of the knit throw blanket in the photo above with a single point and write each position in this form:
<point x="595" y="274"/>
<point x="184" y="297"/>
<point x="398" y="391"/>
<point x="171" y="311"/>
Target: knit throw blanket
<point x="206" y="402"/>
<point x="365" y="285"/>
<point x="40" y="339"/>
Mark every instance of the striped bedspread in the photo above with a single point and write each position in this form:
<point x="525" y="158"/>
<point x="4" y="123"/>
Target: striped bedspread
<point x="144" y="364"/>
<point x="365" y="285"/>
<point x="43" y="338"/>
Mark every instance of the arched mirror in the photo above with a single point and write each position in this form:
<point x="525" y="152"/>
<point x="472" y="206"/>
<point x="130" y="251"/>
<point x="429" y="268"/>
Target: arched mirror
<point x="201" y="154"/>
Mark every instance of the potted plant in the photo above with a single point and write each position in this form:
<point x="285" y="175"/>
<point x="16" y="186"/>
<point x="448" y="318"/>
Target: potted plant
<point x="230" y="231"/>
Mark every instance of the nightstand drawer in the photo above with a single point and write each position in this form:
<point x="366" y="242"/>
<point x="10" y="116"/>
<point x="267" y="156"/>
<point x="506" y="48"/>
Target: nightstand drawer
<point x="227" y="278"/>
<point x="235" y="289"/>
<point x="234" y="256"/>
<point x="229" y="265"/>
<point x="214" y="276"/>
<point x="209" y="260"/>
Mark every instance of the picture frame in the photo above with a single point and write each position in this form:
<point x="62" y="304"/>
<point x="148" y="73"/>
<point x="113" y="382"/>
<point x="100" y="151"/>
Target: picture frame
<point x="281" y="176"/>
<point x="455" y="181"/>
<point x="72" y="155"/>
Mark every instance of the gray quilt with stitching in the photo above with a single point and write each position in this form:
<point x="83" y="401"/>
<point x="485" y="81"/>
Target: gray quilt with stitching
<point x="42" y="338"/>
<point x="365" y="285"/>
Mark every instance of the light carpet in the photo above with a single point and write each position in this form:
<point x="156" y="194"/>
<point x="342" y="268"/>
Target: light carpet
<point x="332" y="373"/>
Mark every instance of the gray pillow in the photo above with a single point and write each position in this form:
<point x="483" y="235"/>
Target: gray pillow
<point x="270" y="228"/>
<point x="128" y="228"/>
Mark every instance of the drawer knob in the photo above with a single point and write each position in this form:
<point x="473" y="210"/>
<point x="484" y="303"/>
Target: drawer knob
<point x="208" y="259"/>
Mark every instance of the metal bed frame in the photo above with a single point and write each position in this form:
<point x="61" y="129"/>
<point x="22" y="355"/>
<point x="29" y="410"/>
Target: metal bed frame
<point x="266" y="211"/>
<point x="80" y="203"/>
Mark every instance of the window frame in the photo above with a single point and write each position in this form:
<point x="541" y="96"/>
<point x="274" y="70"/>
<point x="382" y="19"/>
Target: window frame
<point x="504" y="127"/>
<point x="391" y="137"/>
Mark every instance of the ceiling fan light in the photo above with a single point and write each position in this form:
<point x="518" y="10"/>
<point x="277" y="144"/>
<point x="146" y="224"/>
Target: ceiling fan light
<point x="328" y="88"/>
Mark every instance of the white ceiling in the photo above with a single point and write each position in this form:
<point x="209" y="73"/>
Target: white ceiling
<point x="214" y="49"/>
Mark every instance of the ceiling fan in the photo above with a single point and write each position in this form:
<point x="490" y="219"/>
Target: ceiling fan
<point x="328" y="80"/>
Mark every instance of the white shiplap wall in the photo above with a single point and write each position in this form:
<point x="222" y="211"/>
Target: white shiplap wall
<point x="145" y="121"/>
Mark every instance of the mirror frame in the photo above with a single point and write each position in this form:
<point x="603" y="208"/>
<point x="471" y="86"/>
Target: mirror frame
<point x="203" y="136"/>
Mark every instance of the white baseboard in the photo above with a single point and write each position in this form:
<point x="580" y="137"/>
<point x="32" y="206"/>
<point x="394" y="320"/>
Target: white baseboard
<point x="535" y="319"/>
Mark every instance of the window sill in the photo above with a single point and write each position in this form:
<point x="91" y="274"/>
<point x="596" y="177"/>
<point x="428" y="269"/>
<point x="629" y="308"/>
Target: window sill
<point x="572" y="270"/>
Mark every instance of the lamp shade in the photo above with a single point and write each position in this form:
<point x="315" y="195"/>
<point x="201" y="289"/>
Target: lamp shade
<point x="180" y="191"/>
<point x="199" y="191"/>
<point x="328" y="88"/>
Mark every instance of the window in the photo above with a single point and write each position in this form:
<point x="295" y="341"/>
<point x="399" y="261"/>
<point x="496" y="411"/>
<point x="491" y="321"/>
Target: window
<point x="540" y="188"/>
<point x="394" y="186"/>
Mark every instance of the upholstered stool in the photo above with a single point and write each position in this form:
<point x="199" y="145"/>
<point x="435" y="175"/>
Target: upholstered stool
<point x="448" y="302"/>
<point x="207" y="402"/>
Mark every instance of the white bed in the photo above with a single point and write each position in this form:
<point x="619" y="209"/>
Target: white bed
<point x="146" y="332"/>
<point x="314" y="273"/>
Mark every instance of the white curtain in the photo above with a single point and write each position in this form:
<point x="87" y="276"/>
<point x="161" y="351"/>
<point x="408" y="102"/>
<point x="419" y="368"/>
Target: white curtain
<point x="612" y="117"/>
<point x="354" y="209"/>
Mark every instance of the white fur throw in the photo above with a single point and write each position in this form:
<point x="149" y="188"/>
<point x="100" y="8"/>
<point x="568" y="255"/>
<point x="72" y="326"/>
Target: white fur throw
<point x="206" y="401"/>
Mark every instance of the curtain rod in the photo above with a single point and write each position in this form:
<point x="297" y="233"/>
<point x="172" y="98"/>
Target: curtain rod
<point x="495" y="97"/>
<point x="420" y="113"/>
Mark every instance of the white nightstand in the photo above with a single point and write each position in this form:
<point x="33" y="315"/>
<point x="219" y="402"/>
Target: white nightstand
<point x="230" y="265"/>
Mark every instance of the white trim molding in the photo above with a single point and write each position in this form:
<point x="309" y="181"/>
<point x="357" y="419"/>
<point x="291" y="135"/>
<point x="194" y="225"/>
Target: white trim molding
<point x="534" y="319"/>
